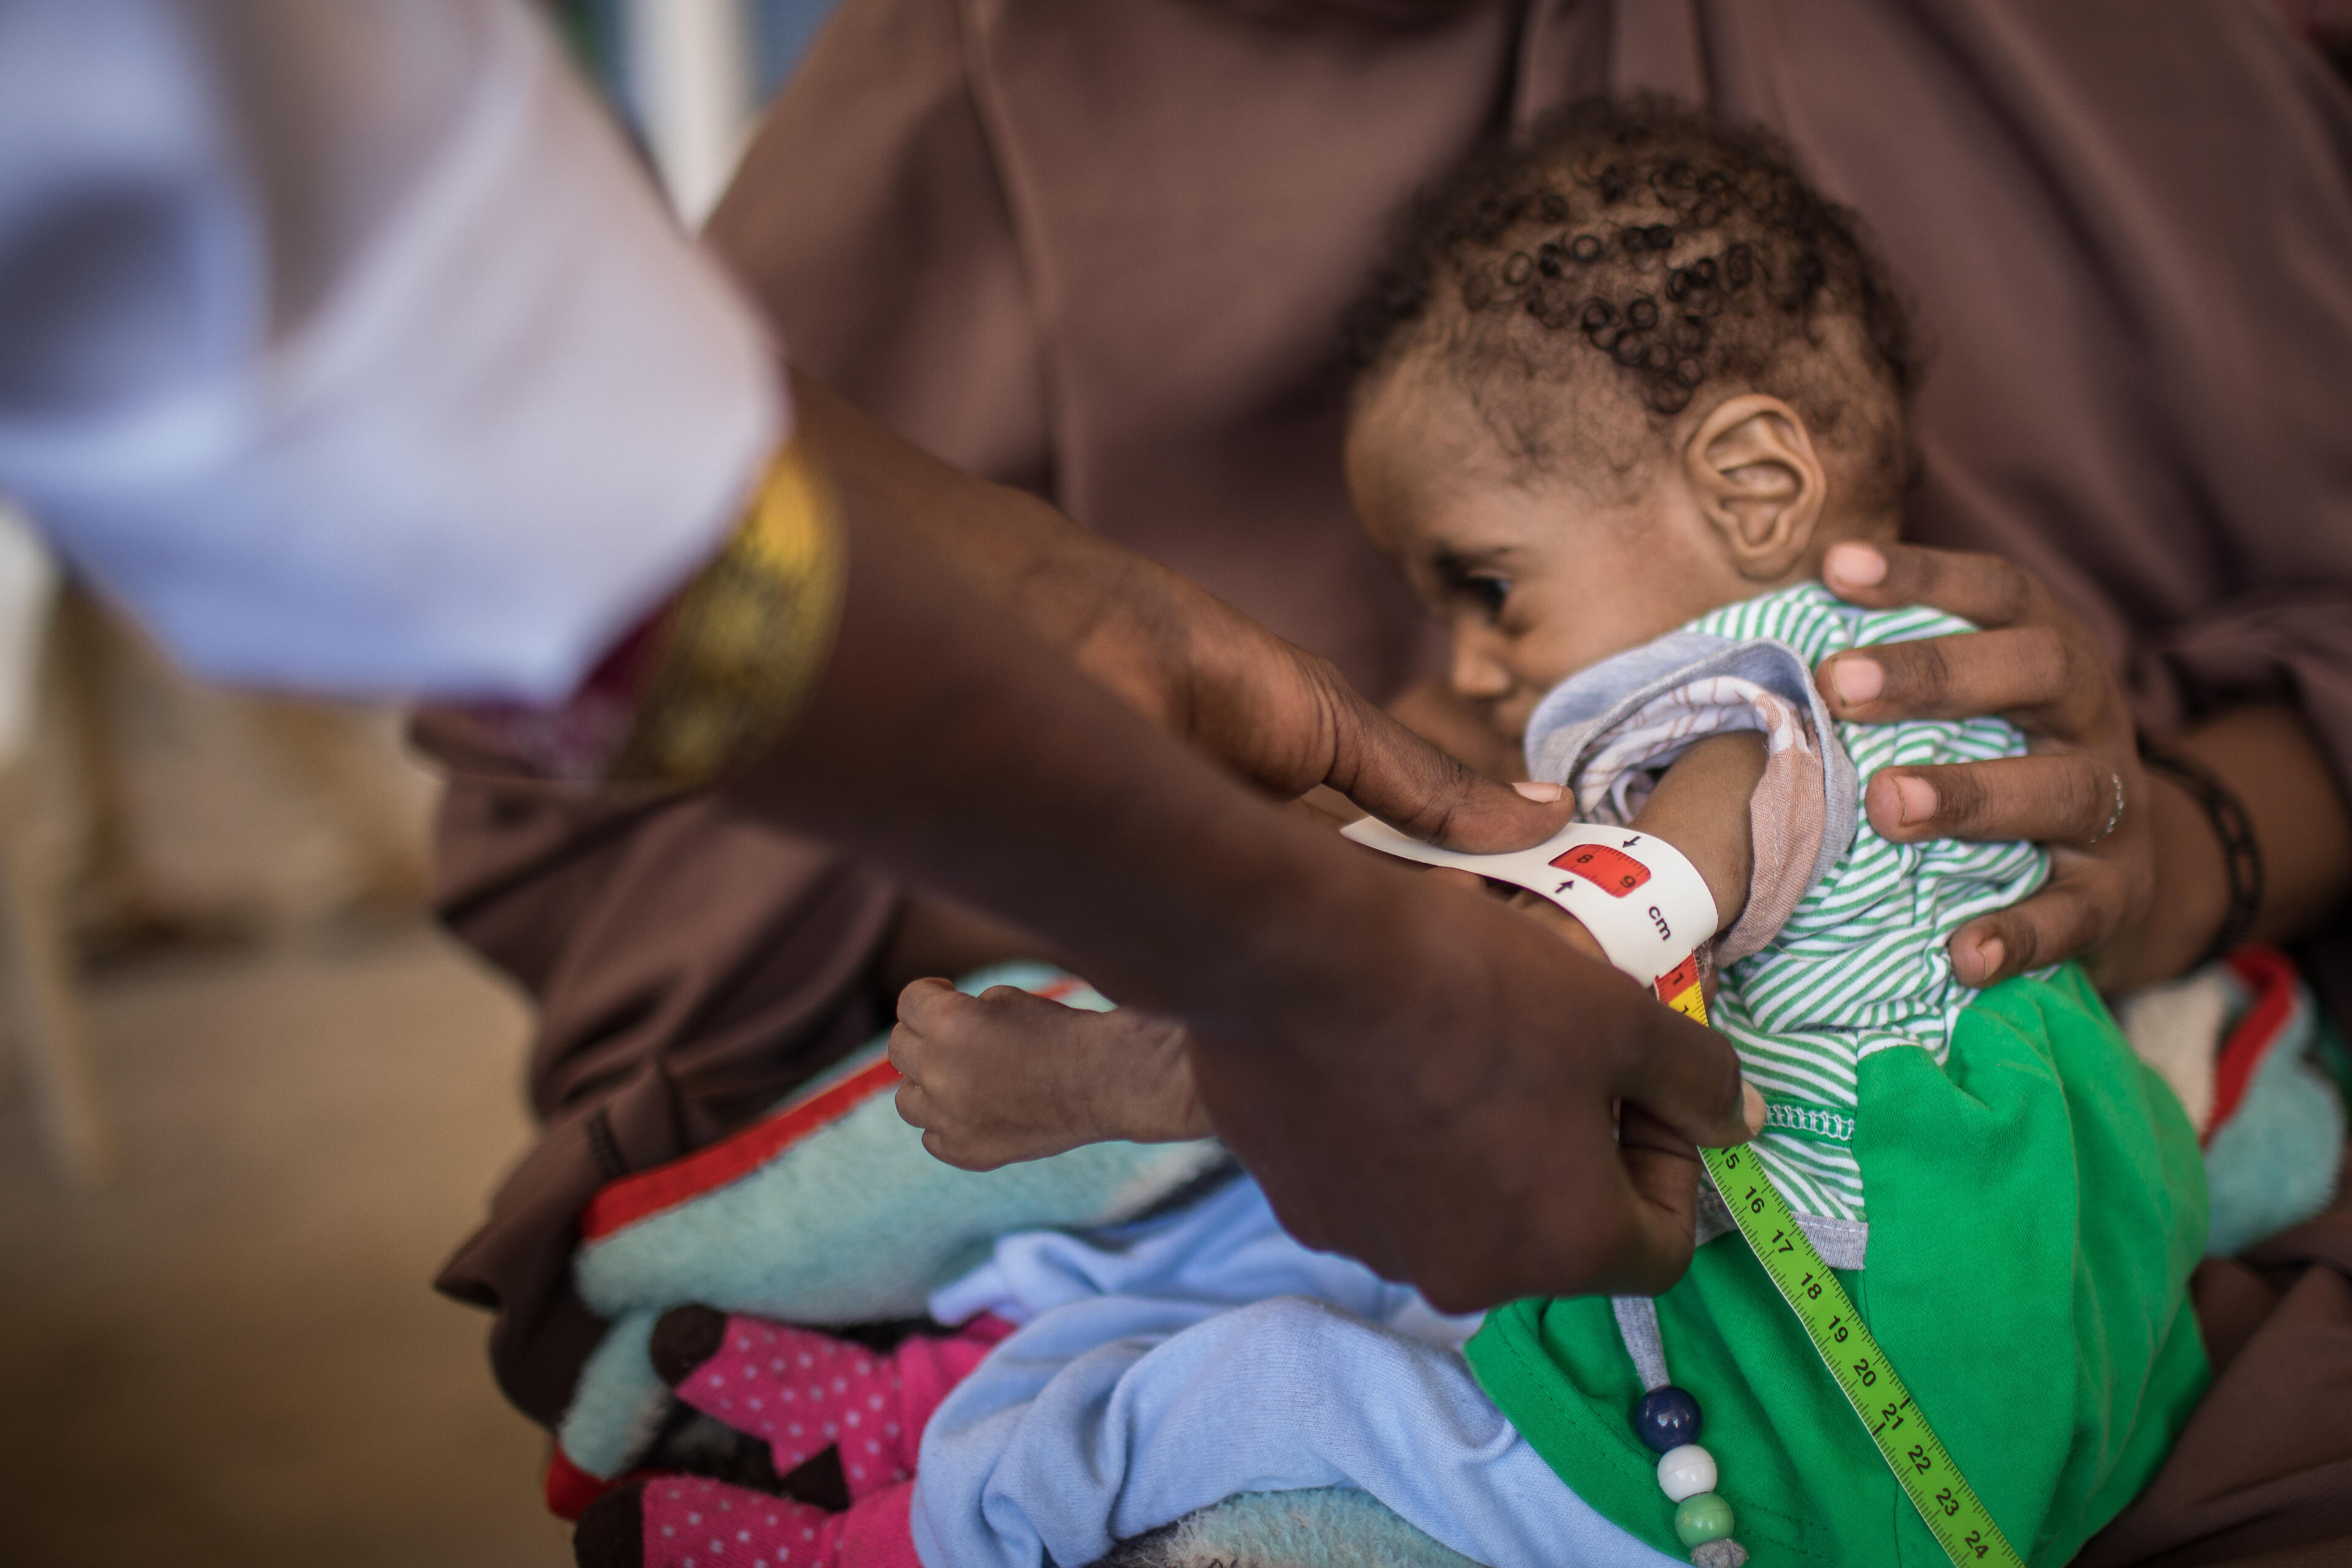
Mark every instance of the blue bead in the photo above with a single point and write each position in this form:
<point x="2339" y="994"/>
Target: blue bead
<point x="1666" y="1419"/>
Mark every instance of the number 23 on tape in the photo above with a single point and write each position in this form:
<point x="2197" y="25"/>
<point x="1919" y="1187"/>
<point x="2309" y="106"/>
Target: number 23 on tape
<point x="1923" y="1468"/>
<point x="1948" y="1505"/>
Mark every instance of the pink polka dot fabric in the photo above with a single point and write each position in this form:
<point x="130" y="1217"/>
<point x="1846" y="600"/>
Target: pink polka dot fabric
<point x="806" y="1392"/>
<point x="691" y="1522"/>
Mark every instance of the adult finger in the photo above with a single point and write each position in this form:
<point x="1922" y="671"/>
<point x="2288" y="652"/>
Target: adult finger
<point x="2034" y="673"/>
<point x="1289" y="721"/>
<point x="1640" y="1244"/>
<point x="1687" y="1076"/>
<point x="2052" y="797"/>
<point x="2076" y="911"/>
<point x="1409" y="783"/>
<point x="1663" y="1170"/>
<point x="1984" y="589"/>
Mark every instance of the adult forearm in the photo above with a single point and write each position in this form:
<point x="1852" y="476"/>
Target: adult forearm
<point x="1055" y="577"/>
<point x="948" y="744"/>
<point x="2267" y="756"/>
<point x="1195" y="666"/>
<point x="1415" y="1076"/>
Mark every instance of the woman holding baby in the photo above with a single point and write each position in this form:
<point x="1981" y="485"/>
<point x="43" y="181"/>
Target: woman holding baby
<point x="2129" y="440"/>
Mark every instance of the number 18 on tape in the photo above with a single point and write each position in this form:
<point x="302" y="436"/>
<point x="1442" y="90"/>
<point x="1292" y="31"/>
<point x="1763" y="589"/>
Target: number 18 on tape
<point x="1654" y="939"/>
<point x="1953" y="1512"/>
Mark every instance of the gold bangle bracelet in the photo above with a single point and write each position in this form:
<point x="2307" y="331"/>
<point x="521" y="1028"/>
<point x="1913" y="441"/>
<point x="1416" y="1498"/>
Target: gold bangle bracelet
<point x="744" y="644"/>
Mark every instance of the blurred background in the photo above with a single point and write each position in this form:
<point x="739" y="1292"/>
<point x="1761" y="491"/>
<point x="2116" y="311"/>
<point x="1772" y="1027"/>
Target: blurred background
<point x="249" y="1096"/>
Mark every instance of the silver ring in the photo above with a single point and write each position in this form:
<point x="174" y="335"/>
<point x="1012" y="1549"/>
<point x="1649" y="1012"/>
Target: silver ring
<point x="2114" y="817"/>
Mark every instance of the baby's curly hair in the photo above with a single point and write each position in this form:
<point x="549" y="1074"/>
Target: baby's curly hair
<point x="1644" y="238"/>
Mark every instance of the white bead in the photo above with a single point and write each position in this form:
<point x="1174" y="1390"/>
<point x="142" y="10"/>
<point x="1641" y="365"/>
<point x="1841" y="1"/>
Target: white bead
<point x="1686" y="1472"/>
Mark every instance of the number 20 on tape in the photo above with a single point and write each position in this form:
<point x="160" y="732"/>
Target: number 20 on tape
<point x="1948" y="1505"/>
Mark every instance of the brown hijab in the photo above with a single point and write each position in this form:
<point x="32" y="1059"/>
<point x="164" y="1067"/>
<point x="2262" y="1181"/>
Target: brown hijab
<point x="1101" y="251"/>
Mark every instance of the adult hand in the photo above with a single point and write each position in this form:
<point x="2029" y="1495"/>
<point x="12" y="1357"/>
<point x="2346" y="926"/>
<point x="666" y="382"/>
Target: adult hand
<point x="1416" y="1076"/>
<point x="2038" y="667"/>
<point x="1280" y="716"/>
<point x="1444" y="1112"/>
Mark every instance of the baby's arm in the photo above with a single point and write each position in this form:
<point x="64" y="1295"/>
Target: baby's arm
<point x="1700" y="806"/>
<point x="1006" y="1075"/>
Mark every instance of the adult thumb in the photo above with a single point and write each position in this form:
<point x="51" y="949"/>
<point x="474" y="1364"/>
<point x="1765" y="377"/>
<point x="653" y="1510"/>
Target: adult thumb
<point x="1687" y="1076"/>
<point x="1415" y="788"/>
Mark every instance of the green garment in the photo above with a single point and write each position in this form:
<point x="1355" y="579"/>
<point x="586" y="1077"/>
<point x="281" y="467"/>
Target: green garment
<point x="2035" y="1207"/>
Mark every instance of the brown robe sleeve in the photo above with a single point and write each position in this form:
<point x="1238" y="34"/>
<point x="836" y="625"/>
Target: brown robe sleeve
<point x="689" y="966"/>
<point x="2262" y="1474"/>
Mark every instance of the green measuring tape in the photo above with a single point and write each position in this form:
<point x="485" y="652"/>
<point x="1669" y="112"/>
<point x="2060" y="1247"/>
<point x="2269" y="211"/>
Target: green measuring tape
<point x="1955" y="1515"/>
<point x="1923" y="1466"/>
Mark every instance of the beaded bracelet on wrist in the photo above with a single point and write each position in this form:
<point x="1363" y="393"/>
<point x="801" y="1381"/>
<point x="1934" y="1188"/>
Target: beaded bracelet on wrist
<point x="748" y="639"/>
<point x="2241" y="856"/>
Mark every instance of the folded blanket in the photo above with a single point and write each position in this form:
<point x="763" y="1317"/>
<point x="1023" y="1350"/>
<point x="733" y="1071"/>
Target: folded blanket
<point x="827" y="1210"/>
<point x="2243" y="1045"/>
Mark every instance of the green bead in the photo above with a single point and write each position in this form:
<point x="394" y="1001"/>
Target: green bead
<point x="1701" y="1519"/>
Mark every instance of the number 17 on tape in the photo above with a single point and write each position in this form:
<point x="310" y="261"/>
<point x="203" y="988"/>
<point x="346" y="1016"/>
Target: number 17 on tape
<point x="1948" y="1505"/>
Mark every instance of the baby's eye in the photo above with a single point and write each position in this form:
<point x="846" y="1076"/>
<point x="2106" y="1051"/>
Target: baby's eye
<point x="1477" y="584"/>
<point x="1488" y="594"/>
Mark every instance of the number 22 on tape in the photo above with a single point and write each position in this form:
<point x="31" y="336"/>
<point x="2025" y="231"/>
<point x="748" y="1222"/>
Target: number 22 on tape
<point x="1949" y="1507"/>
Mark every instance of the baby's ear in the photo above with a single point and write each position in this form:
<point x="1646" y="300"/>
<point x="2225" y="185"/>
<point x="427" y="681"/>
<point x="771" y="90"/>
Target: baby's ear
<point x="1752" y="471"/>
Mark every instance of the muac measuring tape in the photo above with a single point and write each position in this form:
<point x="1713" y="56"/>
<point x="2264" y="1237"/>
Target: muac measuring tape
<point x="1593" y="872"/>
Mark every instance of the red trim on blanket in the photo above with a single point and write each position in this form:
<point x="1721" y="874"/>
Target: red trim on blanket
<point x="569" y="1489"/>
<point x="620" y="1204"/>
<point x="631" y="1198"/>
<point x="2270" y="976"/>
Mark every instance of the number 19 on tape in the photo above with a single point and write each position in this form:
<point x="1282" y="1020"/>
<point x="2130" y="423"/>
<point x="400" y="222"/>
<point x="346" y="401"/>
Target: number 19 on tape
<point x="1955" y="1515"/>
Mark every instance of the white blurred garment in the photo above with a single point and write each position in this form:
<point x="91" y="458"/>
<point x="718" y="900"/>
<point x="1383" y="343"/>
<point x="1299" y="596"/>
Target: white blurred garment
<point x="29" y="586"/>
<point x="347" y="347"/>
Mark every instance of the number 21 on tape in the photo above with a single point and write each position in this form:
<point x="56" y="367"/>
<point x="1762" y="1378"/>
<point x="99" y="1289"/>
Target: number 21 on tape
<point x="1948" y="1505"/>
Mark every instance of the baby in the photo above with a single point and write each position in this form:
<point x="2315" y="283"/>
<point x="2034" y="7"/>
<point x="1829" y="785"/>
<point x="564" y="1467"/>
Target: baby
<point x="1629" y="382"/>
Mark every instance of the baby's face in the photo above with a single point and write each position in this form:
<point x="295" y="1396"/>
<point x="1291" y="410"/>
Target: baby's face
<point x="1535" y="581"/>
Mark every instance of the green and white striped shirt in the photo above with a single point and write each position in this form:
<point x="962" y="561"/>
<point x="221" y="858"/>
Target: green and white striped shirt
<point x="1860" y="964"/>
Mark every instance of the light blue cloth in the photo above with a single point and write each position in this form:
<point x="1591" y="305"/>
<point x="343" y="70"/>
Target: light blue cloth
<point x="1167" y="1364"/>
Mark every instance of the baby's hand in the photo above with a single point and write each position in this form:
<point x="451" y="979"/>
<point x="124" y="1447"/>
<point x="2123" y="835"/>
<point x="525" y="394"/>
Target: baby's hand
<point x="1006" y="1075"/>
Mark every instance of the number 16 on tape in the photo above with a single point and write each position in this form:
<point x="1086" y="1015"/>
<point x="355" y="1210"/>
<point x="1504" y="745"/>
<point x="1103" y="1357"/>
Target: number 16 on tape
<point x="1953" y="1512"/>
